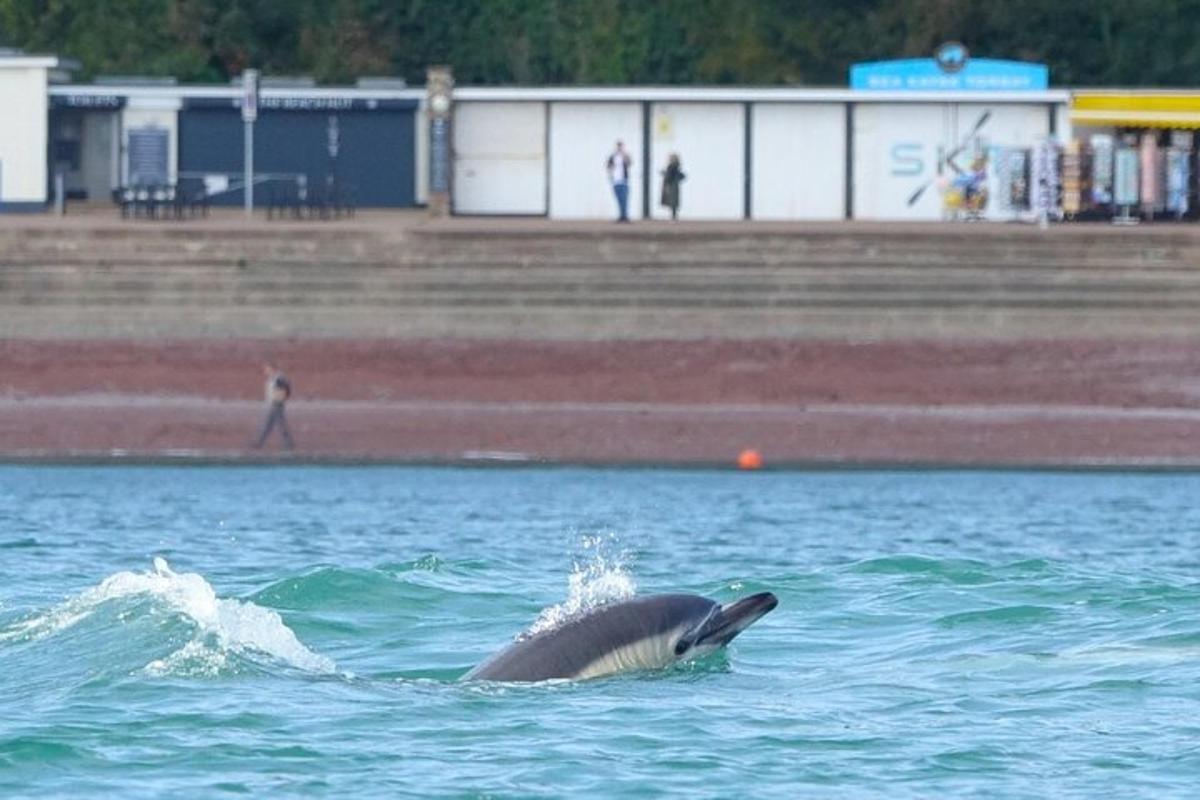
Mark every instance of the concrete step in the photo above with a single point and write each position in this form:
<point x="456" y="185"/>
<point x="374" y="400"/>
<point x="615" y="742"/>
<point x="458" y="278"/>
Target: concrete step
<point x="839" y="297"/>
<point x="333" y="243"/>
<point x="1101" y="261"/>
<point x="607" y="248"/>
<point x="584" y="324"/>
<point x="581" y="264"/>
<point x="733" y="278"/>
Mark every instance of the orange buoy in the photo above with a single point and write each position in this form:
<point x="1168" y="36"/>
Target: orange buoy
<point x="749" y="459"/>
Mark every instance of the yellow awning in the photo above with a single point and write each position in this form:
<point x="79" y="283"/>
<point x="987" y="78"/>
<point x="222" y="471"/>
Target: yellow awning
<point x="1136" y="109"/>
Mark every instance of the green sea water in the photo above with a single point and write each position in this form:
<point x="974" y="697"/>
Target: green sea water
<point x="939" y="634"/>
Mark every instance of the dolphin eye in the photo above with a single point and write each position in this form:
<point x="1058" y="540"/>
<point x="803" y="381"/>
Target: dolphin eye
<point x="681" y="646"/>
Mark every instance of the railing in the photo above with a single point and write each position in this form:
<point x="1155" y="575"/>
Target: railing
<point x="287" y="195"/>
<point x="161" y="201"/>
<point x="328" y="200"/>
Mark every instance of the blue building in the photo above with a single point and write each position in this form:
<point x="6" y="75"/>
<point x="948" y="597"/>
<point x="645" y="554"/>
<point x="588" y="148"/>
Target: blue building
<point x="145" y="132"/>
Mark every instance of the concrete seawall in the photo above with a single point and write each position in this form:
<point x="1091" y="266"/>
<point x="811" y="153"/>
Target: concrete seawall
<point x="402" y="276"/>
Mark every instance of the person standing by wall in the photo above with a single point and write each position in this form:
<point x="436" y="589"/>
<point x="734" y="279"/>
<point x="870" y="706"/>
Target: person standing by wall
<point x="672" y="177"/>
<point x="279" y="391"/>
<point x="618" y="175"/>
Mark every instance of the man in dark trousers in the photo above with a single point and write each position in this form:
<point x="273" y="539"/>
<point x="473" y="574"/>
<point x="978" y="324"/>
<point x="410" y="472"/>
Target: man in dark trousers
<point x="278" y="392"/>
<point x="618" y="175"/>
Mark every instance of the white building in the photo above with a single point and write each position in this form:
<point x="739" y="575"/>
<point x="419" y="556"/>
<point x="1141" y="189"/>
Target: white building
<point x="24" y="98"/>
<point x="748" y="153"/>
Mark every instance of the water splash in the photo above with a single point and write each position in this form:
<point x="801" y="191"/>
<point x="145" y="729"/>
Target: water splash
<point x="599" y="575"/>
<point x="196" y="658"/>
<point x="236" y="626"/>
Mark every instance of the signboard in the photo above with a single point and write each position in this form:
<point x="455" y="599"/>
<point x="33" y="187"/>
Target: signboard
<point x="1102" y="168"/>
<point x="148" y="156"/>
<point x="1072" y="177"/>
<point x="1125" y="190"/>
<point x="952" y="72"/>
<point x="326" y="103"/>
<point x="1044" y="179"/>
<point x="439" y="154"/>
<point x="100" y="102"/>
<point x="249" y="95"/>
<point x="1178" y="178"/>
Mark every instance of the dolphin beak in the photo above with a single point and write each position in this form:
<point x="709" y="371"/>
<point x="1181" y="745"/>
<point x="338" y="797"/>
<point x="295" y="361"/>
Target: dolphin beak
<point x="735" y="617"/>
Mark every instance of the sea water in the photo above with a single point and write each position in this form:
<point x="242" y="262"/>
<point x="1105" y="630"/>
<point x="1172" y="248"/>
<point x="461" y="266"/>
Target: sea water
<point x="299" y="631"/>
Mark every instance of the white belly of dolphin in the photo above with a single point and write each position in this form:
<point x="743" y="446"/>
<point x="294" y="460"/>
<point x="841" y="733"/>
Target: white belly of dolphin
<point x="654" y="653"/>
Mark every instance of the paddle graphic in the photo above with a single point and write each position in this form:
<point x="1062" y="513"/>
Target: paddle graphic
<point x="979" y="123"/>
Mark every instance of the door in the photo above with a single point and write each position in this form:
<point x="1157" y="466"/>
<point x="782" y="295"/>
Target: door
<point x="499" y="158"/>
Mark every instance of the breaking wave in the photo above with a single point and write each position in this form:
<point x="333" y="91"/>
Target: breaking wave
<point x="221" y="628"/>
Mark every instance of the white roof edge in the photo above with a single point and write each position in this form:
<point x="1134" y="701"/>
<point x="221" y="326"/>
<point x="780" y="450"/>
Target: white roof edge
<point x="231" y="92"/>
<point x="631" y="94"/>
<point x="25" y="62"/>
<point x="746" y="94"/>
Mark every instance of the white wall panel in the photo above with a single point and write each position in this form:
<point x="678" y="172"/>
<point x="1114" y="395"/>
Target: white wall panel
<point x="1062" y="126"/>
<point x="901" y="150"/>
<point x="799" y="161"/>
<point x="582" y="135"/>
<point x="710" y="141"/>
<point x="499" y="158"/>
<point x="421" y="155"/>
<point x="23" y="135"/>
<point x="1005" y="125"/>
<point x="896" y="153"/>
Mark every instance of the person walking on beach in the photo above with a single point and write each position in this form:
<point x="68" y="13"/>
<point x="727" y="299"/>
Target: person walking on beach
<point x="672" y="177"/>
<point x="618" y="175"/>
<point x="279" y="390"/>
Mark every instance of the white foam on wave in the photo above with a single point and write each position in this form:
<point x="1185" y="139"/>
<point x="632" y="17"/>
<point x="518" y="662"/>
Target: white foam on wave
<point x="599" y="575"/>
<point x="1125" y="655"/>
<point x="237" y="626"/>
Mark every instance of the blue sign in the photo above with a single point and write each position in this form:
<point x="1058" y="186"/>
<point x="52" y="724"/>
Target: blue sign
<point x="101" y="102"/>
<point x="927" y="75"/>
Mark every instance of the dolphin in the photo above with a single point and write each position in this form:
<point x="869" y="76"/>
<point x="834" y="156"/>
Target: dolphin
<point x="642" y="633"/>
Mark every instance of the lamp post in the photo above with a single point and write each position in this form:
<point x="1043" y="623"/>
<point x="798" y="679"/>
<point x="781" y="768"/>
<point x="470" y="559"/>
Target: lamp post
<point x="439" y="103"/>
<point x="249" y="115"/>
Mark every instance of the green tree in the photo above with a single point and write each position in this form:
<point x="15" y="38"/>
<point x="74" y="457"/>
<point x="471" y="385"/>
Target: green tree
<point x="1085" y="42"/>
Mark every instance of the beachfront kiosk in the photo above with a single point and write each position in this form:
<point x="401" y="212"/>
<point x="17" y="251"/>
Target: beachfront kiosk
<point x="894" y="145"/>
<point x="954" y="136"/>
<point x="1134" y="155"/>
<point x="123" y="132"/>
<point x="749" y="153"/>
<point x="24" y="172"/>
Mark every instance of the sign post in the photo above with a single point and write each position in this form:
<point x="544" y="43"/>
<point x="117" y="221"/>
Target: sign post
<point x="249" y="115"/>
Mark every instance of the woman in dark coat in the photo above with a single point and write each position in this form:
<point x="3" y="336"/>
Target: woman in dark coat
<point x="672" y="177"/>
